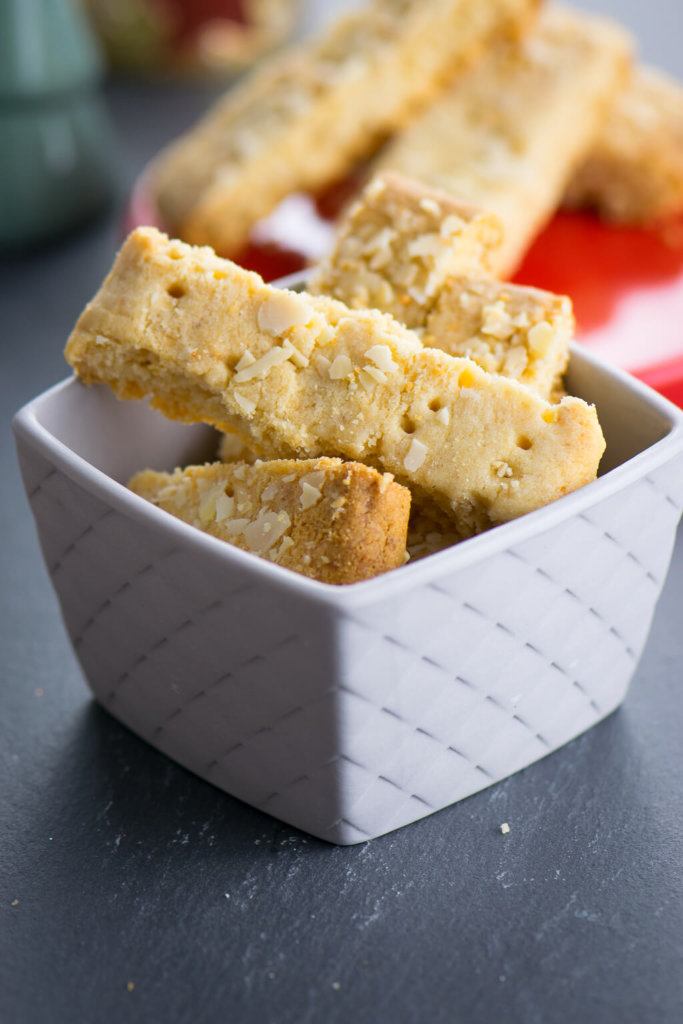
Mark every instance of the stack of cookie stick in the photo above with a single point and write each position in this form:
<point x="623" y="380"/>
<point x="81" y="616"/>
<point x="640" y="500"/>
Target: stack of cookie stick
<point x="305" y="376"/>
<point x="479" y="98"/>
<point x="509" y="133"/>
<point x="304" y="118"/>
<point x="416" y="253"/>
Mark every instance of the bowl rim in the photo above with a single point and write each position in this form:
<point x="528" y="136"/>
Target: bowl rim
<point x="28" y="428"/>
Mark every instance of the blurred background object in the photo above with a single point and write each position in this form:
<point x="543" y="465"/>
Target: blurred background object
<point x="57" y="157"/>
<point x="217" y="37"/>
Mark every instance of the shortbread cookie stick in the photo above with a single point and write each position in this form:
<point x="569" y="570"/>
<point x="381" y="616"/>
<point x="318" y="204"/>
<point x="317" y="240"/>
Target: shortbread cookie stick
<point x="306" y="376"/>
<point x="634" y="172"/>
<point x="509" y="133"/>
<point x="399" y="244"/>
<point x="406" y="249"/>
<point x="338" y="522"/>
<point x="521" y="332"/>
<point x="305" y="118"/>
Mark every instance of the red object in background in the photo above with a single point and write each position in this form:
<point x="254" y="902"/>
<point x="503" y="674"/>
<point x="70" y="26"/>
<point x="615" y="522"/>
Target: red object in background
<point x="331" y="201"/>
<point x="626" y="284"/>
<point x="271" y="260"/>
<point x="611" y="262"/>
<point x="187" y="17"/>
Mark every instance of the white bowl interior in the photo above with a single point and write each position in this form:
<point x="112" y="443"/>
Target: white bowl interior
<point x="119" y="438"/>
<point x="631" y="421"/>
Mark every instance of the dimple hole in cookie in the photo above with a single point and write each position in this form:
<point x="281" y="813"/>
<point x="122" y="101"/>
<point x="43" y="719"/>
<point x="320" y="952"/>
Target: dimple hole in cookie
<point x="176" y="290"/>
<point x="524" y="443"/>
<point x="408" y="425"/>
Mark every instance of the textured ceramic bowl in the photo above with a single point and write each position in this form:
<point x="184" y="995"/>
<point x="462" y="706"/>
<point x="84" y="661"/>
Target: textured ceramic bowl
<point x="349" y="711"/>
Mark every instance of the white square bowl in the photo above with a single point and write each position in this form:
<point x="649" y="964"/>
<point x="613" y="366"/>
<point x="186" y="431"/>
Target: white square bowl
<point x="349" y="711"/>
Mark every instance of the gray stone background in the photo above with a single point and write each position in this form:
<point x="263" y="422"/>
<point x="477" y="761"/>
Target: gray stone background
<point x="131" y="891"/>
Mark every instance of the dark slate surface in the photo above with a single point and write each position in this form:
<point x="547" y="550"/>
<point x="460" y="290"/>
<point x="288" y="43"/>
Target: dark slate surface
<point x="131" y="891"/>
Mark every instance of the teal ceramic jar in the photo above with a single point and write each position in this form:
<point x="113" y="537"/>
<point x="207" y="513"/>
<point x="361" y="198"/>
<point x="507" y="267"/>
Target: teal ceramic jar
<point x="56" y="149"/>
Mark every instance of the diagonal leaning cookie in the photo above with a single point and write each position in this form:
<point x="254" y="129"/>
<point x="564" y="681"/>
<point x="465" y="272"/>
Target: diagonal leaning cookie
<point x="337" y="522"/>
<point x="508" y="134"/>
<point x="305" y="376"/>
<point x="304" y="118"/>
<point x="419" y="254"/>
<point x="399" y="244"/>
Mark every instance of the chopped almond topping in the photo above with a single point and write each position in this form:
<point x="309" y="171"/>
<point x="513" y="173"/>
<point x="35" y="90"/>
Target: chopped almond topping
<point x="430" y="205"/>
<point x="245" y="405"/>
<point x="424" y="245"/>
<point x="451" y="225"/>
<point x="246" y="360"/>
<point x="225" y="507"/>
<point x="316" y="478"/>
<point x="416" y="455"/>
<point x="276" y="355"/>
<point x="377" y="375"/>
<point x="266" y="530"/>
<point x="341" y="367"/>
<point x="282" y="310"/>
<point x="381" y="356"/>
<point x="541" y="337"/>
<point x="207" y="509"/>
<point x="285" y="544"/>
<point x="269" y="492"/>
<point x="309" y="495"/>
